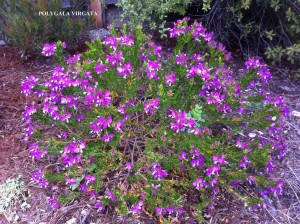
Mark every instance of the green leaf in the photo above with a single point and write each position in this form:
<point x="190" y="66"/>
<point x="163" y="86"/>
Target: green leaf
<point x="68" y="198"/>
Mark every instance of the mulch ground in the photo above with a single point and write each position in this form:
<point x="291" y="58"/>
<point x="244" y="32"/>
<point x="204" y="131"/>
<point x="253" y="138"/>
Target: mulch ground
<point x="14" y="159"/>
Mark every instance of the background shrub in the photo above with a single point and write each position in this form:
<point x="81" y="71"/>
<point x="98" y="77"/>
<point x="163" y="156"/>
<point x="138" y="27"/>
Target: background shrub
<point x="254" y="26"/>
<point x="151" y="14"/>
<point x="24" y="28"/>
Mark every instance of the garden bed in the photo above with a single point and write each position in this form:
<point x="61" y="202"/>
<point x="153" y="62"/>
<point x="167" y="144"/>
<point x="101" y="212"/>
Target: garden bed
<point x="14" y="157"/>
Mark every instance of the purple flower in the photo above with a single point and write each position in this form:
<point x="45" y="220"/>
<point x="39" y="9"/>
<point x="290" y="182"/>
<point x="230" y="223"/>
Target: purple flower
<point x="219" y="159"/>
<point x="215" y="97"/>
<point x="195" y="153"/>
<point x="126" y="40"/>
<point x="28" y="84"/>
<point x="138" y="207"/>
<point x="49" y="49"/>
<point x="160" y="211"/>
<point x="183" y="156"/>
<point x="181" y="59"/>
<point x="278" y="189"/>
<point x="125" y="70"/>
<point x="182" y="121"/>
<point x="199" y="183"/>
<point x="70" y="181"/>
<point x="213" y="182"/>
<point x="29" y="131"/>
<point x="240" y="144"/>
<point x="170" y="79"/>
<point x="270" y="165"/>
<point x="70" y="160"/>
<point x="116" y="58"/>
<point x="38" y="178"/>
<point x="30" y="109"/>
<point x="101" y="68"/>
<point x="214" y="170"/>
<point x="100" y="207"/>
<point x="151" y="106"/>
<point x="176" y="31"/>
<point x="100" y="124"/>
<point x="118" y="126"/>
<point x="112" y="41"/>
<point x="129" y="166"/>
<point x="79" y="117"/>
<point x="83" y="188"/>
<point x="74" y="147"/>
<point x="64" y="45"/>
<point x="35" y="151"/>
<point x="157" y="171"/>
<point x="179" y="211"/>
<point x="256" y="207"/>
<point x="198" y="161"/>
<point x="93" y="194"/>
<point x="152" y="68"/>
<point x="170" y="210"/>
<point x="245" y="161"/>
<point x="251" y="179"/>
<point x="107" y="138"/>
<point x="155" y="188"/>
<point x="111" y="196"/>
<point x="89" y="179"/>
<point x="75" y="58"/>
<point x="54" y="202"/>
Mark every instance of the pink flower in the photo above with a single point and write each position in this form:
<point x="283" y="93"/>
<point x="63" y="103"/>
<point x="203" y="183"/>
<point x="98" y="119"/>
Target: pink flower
<point x="170" y="79"/>
<point x="49" y="49"/>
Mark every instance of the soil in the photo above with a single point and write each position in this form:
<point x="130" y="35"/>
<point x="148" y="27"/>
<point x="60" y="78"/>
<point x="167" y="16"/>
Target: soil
<point x="14" y="159"/>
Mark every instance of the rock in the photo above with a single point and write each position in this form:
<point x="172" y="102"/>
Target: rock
<point x="71" y="221"/>
<point x="296" y="113"/>
<point x="252" y="135"/>
<point x="2" y="43"/>
<point x="99" y="33"/>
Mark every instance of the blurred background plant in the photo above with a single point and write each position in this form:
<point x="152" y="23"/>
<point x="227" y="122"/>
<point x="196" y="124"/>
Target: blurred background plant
<point x="257" y="27"/>
<point x="13" y="194"/>
<point x="254" y="26"/>
<point x="23" y="27"/>
<point x="151" y="13"/>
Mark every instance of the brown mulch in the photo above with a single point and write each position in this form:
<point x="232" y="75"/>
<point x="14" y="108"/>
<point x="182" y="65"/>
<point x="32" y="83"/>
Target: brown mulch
<point x="14" y="159"/>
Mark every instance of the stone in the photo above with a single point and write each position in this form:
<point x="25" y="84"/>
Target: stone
<point x="98" y="34"/>
<point x="111" y="2"/>
<point x="2" y="43"/>
<point x="296" y="113"/>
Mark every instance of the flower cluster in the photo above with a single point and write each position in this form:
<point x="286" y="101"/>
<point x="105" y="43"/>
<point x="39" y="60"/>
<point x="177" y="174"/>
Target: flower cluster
<point x="38" y="178"/>
<point x="49" y="49"/>
<point x="171" y="210"/>
<point x="36" y="152"/>
<point x="157" y="171"/>
<point x="28" y="84"/>
<point x="151" y="106"/>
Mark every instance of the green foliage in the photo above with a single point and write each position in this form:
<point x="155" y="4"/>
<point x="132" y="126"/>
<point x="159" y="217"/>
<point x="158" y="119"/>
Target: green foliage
<point x="68" y="198"/>
<point x="12" y="195"/>
<point x="26" y="28"/>
<point x="151" y="13"/>
<point x="273" y="31"/>
<point x="57" y="177"/>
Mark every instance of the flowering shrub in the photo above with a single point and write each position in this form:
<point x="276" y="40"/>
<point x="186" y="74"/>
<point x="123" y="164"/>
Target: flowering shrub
<point x="139" y="130"/>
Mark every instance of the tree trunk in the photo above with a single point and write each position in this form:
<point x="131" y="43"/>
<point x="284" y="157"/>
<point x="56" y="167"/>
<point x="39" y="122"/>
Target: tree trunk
<point x="97" y="11"/>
